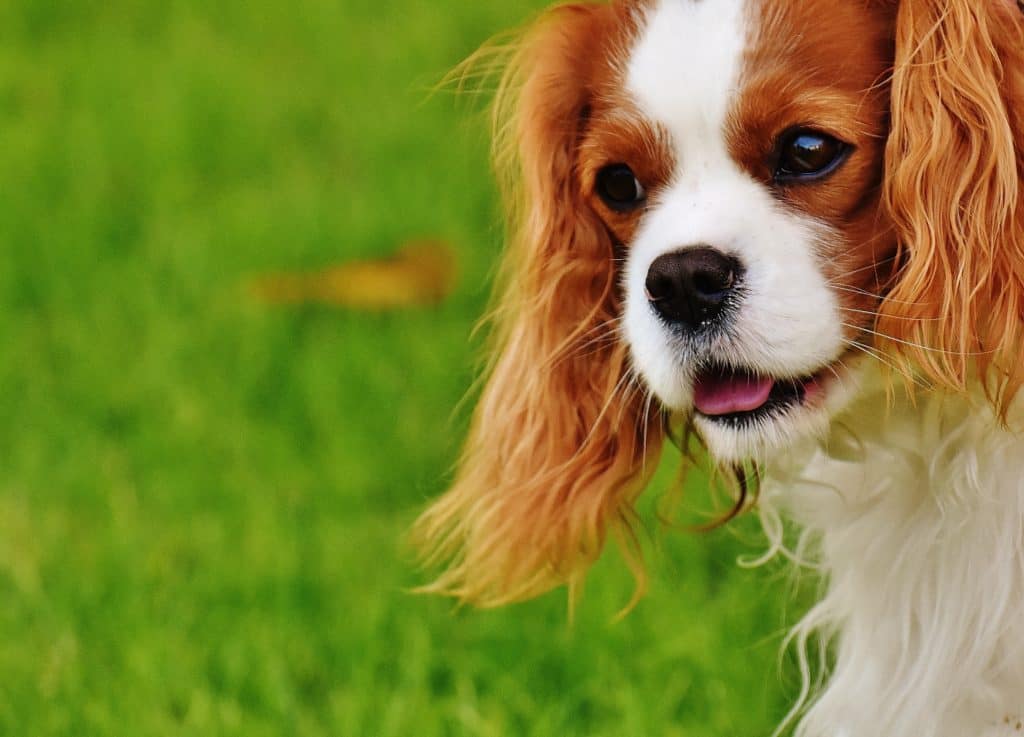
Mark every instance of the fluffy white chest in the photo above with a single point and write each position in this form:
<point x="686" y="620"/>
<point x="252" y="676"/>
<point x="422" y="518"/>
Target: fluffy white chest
<point x="915" y="516"/>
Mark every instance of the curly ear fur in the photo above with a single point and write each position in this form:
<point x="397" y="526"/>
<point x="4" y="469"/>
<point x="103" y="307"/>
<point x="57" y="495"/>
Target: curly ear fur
<point x="955" y="161"/>
<point x="562" y="433"/>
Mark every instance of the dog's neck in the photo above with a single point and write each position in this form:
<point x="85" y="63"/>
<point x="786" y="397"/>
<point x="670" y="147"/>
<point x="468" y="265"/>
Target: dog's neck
<point x="915" y="516"/>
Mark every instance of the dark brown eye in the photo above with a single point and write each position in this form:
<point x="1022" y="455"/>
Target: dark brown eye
<point x="619" y="188"/>
<point x="807" y="155"/>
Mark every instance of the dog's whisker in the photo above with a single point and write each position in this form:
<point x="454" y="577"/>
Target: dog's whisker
<point x="878" y="297"/>
<point x="871" y="313"/>
<point x="870" y="267"/>
<point x="888" y="363"/>
<point x="912" y="344"/>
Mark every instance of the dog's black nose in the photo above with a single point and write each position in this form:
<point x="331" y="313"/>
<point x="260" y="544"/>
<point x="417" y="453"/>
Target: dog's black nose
<point x="690" y="287"/>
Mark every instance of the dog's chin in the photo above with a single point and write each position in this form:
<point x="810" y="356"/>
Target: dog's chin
<point x="742" y="415"/>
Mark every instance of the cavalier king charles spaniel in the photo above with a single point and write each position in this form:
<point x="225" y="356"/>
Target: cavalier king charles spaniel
<point x="796" y="228"/>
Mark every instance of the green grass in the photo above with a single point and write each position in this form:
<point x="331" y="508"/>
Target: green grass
<point x="202" y="501"/>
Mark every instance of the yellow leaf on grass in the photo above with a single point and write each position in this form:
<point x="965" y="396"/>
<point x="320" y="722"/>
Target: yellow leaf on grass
<point x="421" y="273"/>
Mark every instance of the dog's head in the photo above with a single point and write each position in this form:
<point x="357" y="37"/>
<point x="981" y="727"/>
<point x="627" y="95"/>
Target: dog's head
<point x="723" y="207"/>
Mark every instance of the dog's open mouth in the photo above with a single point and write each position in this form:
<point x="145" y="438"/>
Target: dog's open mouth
<point x="739" y="396"/>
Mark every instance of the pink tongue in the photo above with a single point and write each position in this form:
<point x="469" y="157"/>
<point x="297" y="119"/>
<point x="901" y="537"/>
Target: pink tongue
<point x="717" y="395"/>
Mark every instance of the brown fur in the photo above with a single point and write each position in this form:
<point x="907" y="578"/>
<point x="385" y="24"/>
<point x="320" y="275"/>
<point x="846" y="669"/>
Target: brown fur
<point x="557" y="451"/>
<point x="955" y="160"/>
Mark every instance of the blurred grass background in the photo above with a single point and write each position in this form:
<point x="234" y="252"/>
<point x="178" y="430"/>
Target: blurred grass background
<point x="202" y="500"/>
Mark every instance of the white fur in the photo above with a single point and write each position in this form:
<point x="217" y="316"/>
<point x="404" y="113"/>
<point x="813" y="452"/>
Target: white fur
<point x="916" y="518"/>
<point x="683" y="74"/>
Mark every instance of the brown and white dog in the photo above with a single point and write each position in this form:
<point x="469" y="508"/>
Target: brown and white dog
<point x="798" y="225"/>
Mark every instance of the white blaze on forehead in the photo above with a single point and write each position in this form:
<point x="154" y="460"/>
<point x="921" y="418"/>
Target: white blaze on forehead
<point x="685" y="68"/>
<point x="684" y="74"/>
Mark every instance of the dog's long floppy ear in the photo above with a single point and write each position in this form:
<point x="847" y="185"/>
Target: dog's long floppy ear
<point x="561" y="435"/>
<point x="955" y="162"/>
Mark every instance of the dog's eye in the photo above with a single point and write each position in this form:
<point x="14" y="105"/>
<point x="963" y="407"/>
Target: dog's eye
<point x="807" y="155"/>
<point x="618" y="186"/>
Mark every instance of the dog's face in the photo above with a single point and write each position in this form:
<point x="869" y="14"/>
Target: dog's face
<point x="724" y="206"/>
<point x="737" y="159"/>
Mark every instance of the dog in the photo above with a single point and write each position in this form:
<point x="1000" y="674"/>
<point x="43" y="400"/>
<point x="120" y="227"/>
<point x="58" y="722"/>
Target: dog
<point x="797" y="227"/>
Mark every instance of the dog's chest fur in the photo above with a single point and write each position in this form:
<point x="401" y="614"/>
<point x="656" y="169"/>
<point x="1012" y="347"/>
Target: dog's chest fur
<point x="915" y="516"/>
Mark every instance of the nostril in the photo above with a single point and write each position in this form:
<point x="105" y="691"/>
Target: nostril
<point x="710" y="272"/>
<point x="660" y="287"/>
<point x="691" y="287"/>
<point x="713" y="283"/>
